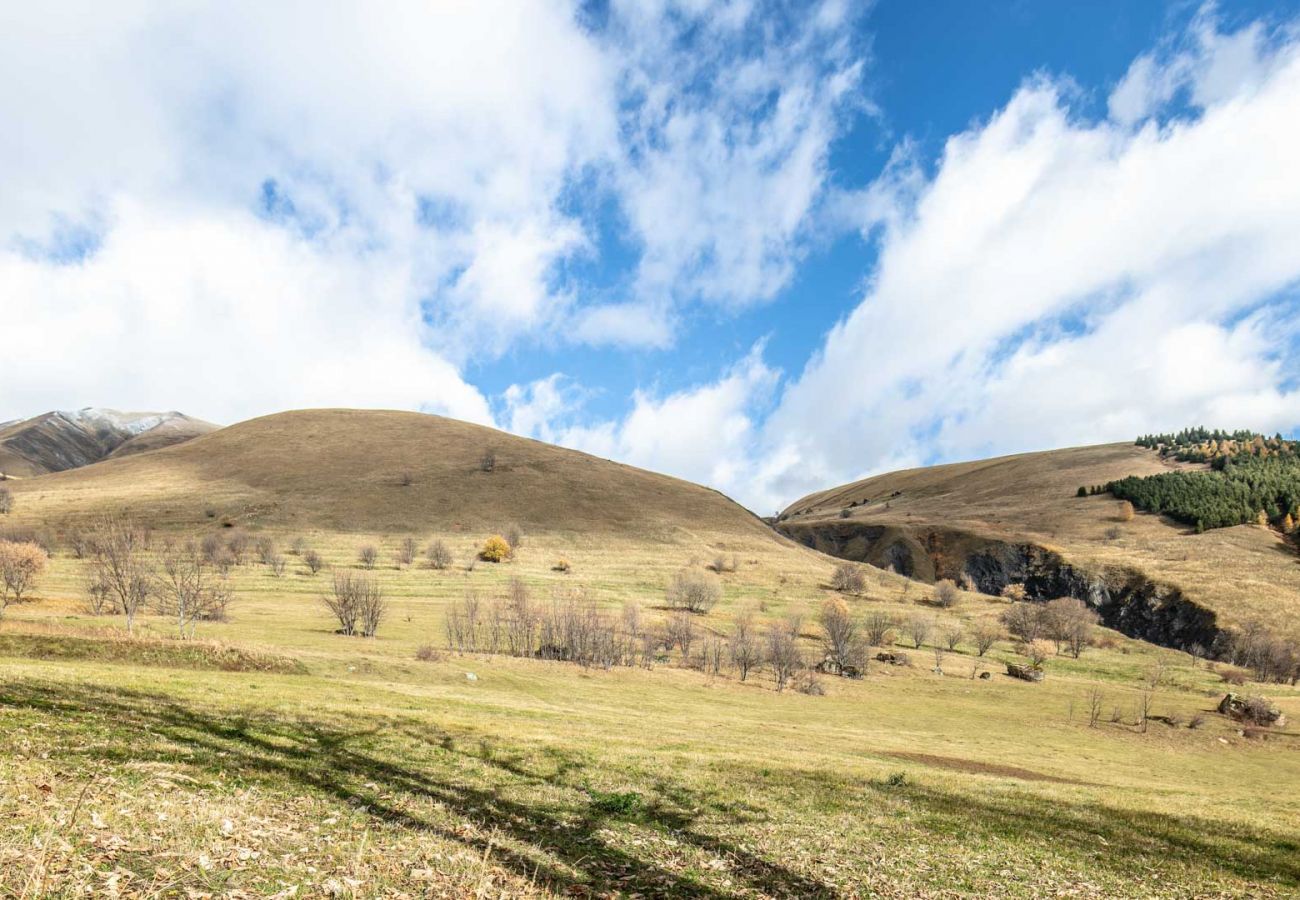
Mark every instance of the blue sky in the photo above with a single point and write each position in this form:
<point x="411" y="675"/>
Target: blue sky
<point x="768" y="247"/>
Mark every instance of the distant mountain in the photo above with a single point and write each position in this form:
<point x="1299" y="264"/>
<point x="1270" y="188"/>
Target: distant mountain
<point x="61" y="440"/>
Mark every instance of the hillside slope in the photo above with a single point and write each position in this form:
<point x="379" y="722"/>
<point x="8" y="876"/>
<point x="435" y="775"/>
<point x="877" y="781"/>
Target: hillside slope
<point x="1017" y="518"/>
<point x="374" y="471"/>
<point x="61" y="440"/>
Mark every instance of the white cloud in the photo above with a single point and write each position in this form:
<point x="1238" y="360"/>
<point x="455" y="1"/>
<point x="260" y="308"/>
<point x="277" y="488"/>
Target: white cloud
<point x="1062" y="281"/>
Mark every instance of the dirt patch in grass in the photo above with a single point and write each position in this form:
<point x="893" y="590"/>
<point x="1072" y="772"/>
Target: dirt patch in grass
<point x="116" y="648"/>
<point x="957" y="764"/>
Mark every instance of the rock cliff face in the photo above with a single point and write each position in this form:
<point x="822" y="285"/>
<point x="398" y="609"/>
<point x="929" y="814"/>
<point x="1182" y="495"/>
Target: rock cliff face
<point x="1125" y="598"/>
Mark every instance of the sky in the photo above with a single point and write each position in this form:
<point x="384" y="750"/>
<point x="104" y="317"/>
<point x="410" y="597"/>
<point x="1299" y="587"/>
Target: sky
<point x="766" y="247"/>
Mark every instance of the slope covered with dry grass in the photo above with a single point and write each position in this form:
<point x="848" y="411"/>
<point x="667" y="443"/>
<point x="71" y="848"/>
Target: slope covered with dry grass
<point x="1244" y="572"/>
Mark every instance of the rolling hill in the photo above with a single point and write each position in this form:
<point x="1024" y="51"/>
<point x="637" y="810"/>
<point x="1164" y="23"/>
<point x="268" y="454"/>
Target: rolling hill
<point x="62" y="440"/>
<point x="387" y="472"/>
<point x="1018" y="519"/>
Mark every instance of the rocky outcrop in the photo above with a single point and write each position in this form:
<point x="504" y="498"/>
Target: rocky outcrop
<point x="1125" y="598"/>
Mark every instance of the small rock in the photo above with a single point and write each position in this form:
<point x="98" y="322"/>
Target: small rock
<point x="470" y="676"/>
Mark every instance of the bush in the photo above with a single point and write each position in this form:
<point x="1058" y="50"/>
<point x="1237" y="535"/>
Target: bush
<point x="1024" y="620"/>
<point x="495" y="549"/>
<point x="20" y="565"/>
<point x="357" y="602"/>
<point x="984" y="635"/>
<point x="845" y="652"/>
<point x="693" y="591"/>
<point x="367" y="556"/>
<point x="946" y="594"/>
<point x="277" y="565"/>
<point x="562" y="565"/>
<point x="1125" y="513"/>
<point x="1014" y="592"/>
<point x="1038" y="652"/>
<point x="427" y="653"/>
<point x="919" y="628"/>
<point x="514" y="536"/>
<point x="722" y="563"/>
<point x="625" y="803"/>
<point x="849" y="579"/>
<point x="879" y="628"/>
<point x="6" y="500"/>
<point x="265" y="550"/>
<point x="313" y="561"/>
<point x="438" y="554"/>
<point x="405" y="554"/>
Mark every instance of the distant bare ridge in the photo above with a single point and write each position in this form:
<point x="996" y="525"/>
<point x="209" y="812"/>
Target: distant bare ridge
<point x="61" y="440"/>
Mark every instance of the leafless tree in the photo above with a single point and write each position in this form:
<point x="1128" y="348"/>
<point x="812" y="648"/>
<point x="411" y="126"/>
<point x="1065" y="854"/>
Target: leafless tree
<point x="693" y="591"/>
<point x="6" y="500"/>
<point x="357" y="602"/>
<point x="842" y="641"/>
<point x="278" y="563"/>
<point x="849" y="579"/>
<point x="118" y="560"/>
<point x="188" y="588"/>
<point x="405" y="554"/>
<point x="1024" y="620"/>
<point x="879" y="629"/>
<point x="438" y="554"/>
<point x="952" y="634"/>
<point x="265" y="550"/>
<point x="313" y="561"/>
<point x="946" y="594"/>
<point x="367" y="555"/>
<point x="1096" y="699"/>
<point x="918" y="629"/>
<point x="743" y="644"/>
<point x="985" y="635"/>
<point x="1068" y="621"/>
<point x="237" y="544"/>
<point x="98" y="598"/>
<point x="783" y="656"/>
<point x="21" y="563"/>
<point x="514" y="535"/>
<point x="679" y="632"/>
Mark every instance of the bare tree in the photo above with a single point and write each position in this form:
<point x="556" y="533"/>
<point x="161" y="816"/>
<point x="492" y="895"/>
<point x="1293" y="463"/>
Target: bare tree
<point x="918" y="629"/>
<point x="845" y="653"/>
<point x="6" y="500"/>
<point x="514" y="536"/>
<point x="693" y="591"/>
<point x="1070" y="622"/>
<point x="21" y="563"/>
<point x="438" y="554"/>
<point x="367" y="555"/>
<point x="985" y="635"/>
<point x="849" y="579"/>
<point x="743" y="644"/>
<point x="265" y="550"/>
<point x="952" y="634"/>
<point x="946" y="594"/>
<point x="1024" y="620"/>
<point x="118" y="561"/>
<point x="98" y="598"/>
<point x="405" y="554"/>
<point x="679" y="631"/>
<point x="357" y="602"/>
<point x="879" y="629"/>
<point x="278" y="563"/>
<point x="1096" y="699"/>
<point x="783" y="656"/>
<point x="1038" y="652"/>
<point x="488" y="461"/>
<point x="313" y="561"/>
<point x="237" y="544"/>
<point x="188" y="587"/>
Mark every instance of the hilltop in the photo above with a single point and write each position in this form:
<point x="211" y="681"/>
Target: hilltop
<point x="69" y="439"/>
<point x="1019" y="519"/>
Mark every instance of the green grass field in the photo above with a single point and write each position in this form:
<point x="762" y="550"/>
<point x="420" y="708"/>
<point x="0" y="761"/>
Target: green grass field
<point x="274" y="757"/>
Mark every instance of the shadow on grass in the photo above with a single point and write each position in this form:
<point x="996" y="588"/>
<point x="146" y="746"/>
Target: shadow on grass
<point x="562" y="846"/>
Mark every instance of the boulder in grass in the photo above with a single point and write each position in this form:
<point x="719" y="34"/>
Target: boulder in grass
<point x="1254" y="710"/>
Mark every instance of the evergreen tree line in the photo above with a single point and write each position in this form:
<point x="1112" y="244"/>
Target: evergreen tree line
<point x="1240" y="489"/>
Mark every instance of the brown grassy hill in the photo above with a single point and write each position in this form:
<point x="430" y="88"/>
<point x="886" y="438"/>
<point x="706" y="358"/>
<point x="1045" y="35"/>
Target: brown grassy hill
<point x="373" y="471"/>
<point x="58" y="441"/>
<point x="943" y="521"/>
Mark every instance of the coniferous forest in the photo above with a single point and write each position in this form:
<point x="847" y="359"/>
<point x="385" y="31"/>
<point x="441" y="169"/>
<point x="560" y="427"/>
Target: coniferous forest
<point x="1251" y="479"/>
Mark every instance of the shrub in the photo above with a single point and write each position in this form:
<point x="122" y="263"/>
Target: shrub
<point x="405" y="554"/>
<point x="514" y="536"/>
<point x="946" y="594"/>
<point x="1196" y="721"/>
<point x="562" y="565"/>
<point x="985" y="635"/>
<point x="277" y="565"/>
<point x="679" y="631"/>
<point x="495" y="549"/>
<point x="845" y="653"/>
<point x="693" y="591"/>
<point x="1024" y="620"/>
<point x="879" y="628"/>
<point x="1014" y="592"/>
<point x="6" y="500"/>
<point x="1037" y="652"/>
<point x="313" y="561"/>
<point x="625" y="803"/>
<point x="808" y="683"/>
<point x="357" y="602"/>
<point x="297" y="545"/>
<point x="1125" y="513"/>
<point x="1068" y="621"/>
<point x="438" y="554"/>
<point x="952" y="634"/>
<point x="367" y="555"/>
<point x="849" y="579"/>
<point x="488" y="461"/>
<point x="743" y="645"/>
<point x="427" y="653"/>
<point x="265" y="550"/>
<point x="919" y="628"/>
<point x="20" y="565"/>
<point x="783" y="656"/>
<point x="237" y="543"/>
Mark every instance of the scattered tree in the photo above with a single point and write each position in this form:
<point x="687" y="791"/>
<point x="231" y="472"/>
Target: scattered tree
<point x="6" y="501"/>
<point x="946" y="594"/>
<point x="743" y="644"/>
<point x="845" y="652"/>
<point x="693" y="591"/>
<point x="879" y="628"/>
<point x="783" y="656"/>
<point x="357" y="602"/>
<point x="118" y="561"/>
<point x="1037" y="652"/>
<point x="438" y="554"/>
<point x="21" y="563"/>
<point x="849" y="579"/>
<point x="313" y="561"/>
<point x="952" y="634"/>
<point x="1024" y="620"/>
<point x="679" y="631"/>
<point x="495" y="549"/>
<point x="188" y="587"/>
<point x="514" y="536"/>
<point x="985" y="635"/>
<point x="265" y="550"/>
<point x="919" y="628"/>
<point x="367" y="555"/>
<point x="405" y="554"/>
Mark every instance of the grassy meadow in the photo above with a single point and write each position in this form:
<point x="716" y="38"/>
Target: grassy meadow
<point x="273" y="757"/>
